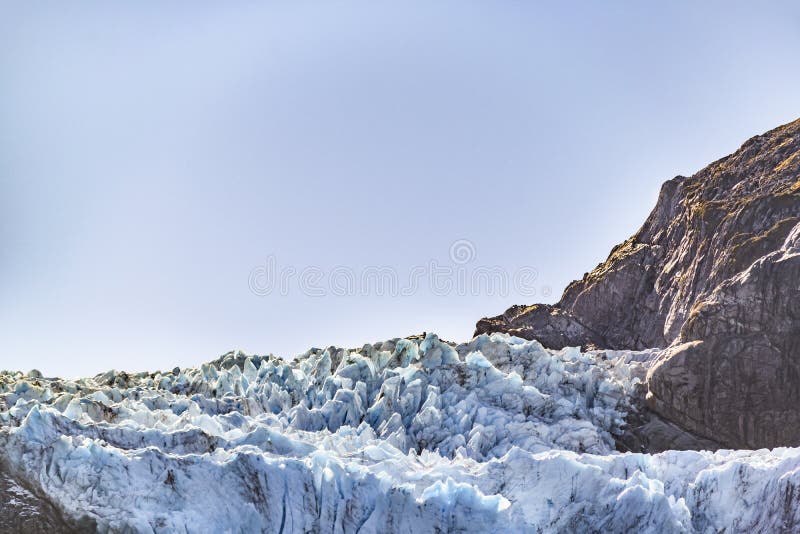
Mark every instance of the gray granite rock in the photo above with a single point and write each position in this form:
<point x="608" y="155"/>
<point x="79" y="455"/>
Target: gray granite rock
<point x="553" y="327"/>
<point x="713" y="277"/>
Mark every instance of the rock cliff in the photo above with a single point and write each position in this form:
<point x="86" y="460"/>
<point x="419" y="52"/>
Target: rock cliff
<point x="713" y="277"/>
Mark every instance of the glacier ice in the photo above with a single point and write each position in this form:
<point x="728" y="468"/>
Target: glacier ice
<point x="408" y="435"/>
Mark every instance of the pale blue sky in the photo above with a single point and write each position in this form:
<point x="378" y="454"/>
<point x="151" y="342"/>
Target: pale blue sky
<point x="153" y="154"/>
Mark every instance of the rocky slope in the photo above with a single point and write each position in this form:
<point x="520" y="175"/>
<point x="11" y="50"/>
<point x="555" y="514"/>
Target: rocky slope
<point x="22" y="510"/>
<point x="713" y="276"/>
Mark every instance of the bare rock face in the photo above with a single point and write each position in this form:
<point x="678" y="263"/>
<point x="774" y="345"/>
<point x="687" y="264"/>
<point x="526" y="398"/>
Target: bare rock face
<point x="713" y="275"/>
<point x="21" y="510"/>
<point x="550" y="325"/>
<point x="734" y="371"/>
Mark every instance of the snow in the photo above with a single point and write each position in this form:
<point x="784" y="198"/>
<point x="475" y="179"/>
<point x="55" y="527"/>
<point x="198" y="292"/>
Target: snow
<point x="497" y="434"/>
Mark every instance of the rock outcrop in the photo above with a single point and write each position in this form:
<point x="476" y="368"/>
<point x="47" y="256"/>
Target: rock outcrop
<point x="713" y="276"/>
<point x="552" y="326"/>
<point x="22" y="510"/>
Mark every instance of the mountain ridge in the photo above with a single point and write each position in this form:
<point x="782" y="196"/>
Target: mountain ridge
<point x="671" y="283"/>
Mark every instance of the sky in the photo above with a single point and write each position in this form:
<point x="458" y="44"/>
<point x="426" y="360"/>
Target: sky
<point x="182" y="179"/>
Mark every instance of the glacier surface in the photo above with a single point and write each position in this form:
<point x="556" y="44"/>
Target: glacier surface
<point x="408" y="435"/>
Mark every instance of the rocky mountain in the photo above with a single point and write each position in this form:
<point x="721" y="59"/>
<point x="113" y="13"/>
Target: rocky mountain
<point x="713" y="277"/>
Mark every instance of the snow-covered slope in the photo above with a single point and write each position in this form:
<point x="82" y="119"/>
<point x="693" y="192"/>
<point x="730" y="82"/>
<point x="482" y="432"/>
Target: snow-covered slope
<point x="497" y="434"/>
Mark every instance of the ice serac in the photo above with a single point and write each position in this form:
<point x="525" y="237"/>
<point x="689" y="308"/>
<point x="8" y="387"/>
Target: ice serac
<point x="399" y="436"/>
<point x="404" y="436"/>
<point x="712" y="277"/>
<point x="494" y="435"/>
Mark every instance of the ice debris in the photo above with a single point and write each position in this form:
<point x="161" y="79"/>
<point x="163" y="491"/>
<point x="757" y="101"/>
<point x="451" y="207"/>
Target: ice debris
<point x="497" y="434"/>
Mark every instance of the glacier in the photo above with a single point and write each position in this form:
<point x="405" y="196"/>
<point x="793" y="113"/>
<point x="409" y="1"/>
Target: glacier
<point x="409" y="435"/>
